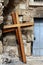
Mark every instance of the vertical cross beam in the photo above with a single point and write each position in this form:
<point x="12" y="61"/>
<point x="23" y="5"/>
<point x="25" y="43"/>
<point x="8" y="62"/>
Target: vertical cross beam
<point x="19" y="36"/>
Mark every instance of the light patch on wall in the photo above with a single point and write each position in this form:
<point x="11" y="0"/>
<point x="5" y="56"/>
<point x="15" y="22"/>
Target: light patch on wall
<point x="31" y="0"/>
<point x="1" y="0"/>
<point x="21" y="18"/>
<point x="22" y="6"/>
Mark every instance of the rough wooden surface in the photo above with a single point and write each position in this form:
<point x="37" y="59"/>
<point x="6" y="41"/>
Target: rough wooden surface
<point x="19" y="37"/>
<point x="19" y="25"/>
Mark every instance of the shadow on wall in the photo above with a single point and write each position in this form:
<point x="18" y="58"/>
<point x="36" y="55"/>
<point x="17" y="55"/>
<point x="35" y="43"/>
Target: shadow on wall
<point x="11" y="4"/>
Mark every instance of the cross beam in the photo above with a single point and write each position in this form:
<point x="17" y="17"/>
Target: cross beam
<point x="9" y="28"/>
<point x="17" y="26"/>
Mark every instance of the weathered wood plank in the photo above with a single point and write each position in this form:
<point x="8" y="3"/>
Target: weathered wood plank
<point x="19" y="25"/>
<point x="8" y="30"/>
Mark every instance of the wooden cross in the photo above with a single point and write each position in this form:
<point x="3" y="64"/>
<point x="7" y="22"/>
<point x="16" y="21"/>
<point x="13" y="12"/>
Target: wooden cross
<point x="17" y="25"/>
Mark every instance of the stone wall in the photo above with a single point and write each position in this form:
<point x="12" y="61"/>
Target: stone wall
<point x="38" y="12"/>
<point x="9" y="41"/>
<point x="1" y="21"/>
<point x="26" y="14"/>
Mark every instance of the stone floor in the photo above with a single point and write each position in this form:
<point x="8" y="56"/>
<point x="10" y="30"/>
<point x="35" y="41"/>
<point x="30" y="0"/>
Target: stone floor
<point x="35" y="60"/>
<point x="16" y="61"/>
<point x="28" y="63"/>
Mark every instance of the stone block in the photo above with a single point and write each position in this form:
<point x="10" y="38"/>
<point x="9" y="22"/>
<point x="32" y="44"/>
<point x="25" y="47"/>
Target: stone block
<point x="23" y="37"/>
<point x="28" y="49"/>
<point x="32" y="37"/>
<point x="22" y="6"/>
<point x="1" y="19"/>
<point x="28" y="34"/>
<point x="1" y="6"/>
<point x="6" y="2"/>
<point x="28" y="28"/>
<point x="9" y="20"/>
<point x="0" y="32"/>
<point x="10" y="40"/>
<point x="11" y="50"/>
<point x="1" y="47"/>
<point x="29" y="38"/>
<point x="1" y="12"/>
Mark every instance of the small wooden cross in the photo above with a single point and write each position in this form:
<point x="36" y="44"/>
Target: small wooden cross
<point x="17" y="26"/>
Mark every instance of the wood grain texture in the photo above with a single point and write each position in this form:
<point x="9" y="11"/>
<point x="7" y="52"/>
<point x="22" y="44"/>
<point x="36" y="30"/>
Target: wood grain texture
<point x="19" y="25"/>
<point x="19" y="36"/>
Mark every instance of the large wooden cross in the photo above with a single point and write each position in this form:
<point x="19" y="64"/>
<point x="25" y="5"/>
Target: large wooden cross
<point x="17" y="26"/>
